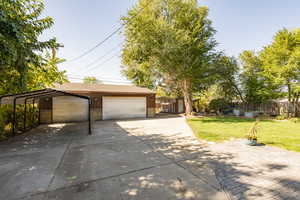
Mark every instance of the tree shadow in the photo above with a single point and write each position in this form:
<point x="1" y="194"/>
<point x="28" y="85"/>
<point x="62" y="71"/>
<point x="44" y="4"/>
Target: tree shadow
<point x="239" y="180"/>
<point x="191" y="170"/>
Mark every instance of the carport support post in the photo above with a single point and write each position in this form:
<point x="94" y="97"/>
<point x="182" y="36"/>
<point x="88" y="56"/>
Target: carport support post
<point x="90" y="128"/>
<point x="25" y="110"/>
<point x="33" y="113"/>
<point x="39" y="117"/>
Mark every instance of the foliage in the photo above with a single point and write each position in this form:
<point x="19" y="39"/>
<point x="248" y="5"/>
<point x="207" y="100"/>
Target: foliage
<point x="22" y="63"/>
<point x="281" y="62"/>
<point x="91" y="80"/>
<point x="271" y="132"/>
<point x="6" y="118"/>
<point x="170" y="42"/>
<point x="202" y="100"/>
<point x="46" y="75"/>
<point x="256" y="88"/>
<point x="2" y="125"/>
<point x="219" y="104"/>
<point x="5" y="121"/>
<point x="227" y="78"/>
<point x="281" y="117"/>
<point x="143" y="75"/>
<point x="274" y="71"/>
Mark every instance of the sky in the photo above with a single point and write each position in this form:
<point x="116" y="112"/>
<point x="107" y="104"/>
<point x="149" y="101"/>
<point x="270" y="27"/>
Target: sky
<point x="79" y="26"/>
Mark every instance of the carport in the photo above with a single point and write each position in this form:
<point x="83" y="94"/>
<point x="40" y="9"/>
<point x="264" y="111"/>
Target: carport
<point x="34" y="97"/>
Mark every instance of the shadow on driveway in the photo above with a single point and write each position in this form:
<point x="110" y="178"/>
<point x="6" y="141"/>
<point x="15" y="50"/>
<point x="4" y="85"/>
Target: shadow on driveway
<point x="132" y="159"/>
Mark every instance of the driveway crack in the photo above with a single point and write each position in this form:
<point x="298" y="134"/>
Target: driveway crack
<point x="60" y="162"/>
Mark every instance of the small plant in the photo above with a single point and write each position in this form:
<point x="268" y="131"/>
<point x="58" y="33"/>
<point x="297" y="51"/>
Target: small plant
<point x="252" y="134"/>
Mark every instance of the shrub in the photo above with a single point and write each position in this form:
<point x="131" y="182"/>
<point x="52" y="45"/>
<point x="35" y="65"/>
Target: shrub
<point x="282" y="117"/>
<point x="5" y="119"/>
<point x="220" y="104"/>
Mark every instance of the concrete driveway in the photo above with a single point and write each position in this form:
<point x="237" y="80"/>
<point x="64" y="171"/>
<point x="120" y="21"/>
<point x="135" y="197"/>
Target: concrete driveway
<point x="243" y="172"/>
<point x="155" y="158"/>
<point x="136" y="159"/>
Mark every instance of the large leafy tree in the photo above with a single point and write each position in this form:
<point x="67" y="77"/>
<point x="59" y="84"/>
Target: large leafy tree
<point x="23" y="64"/>
<point x="281" y="62"/>
<point x="274" y="71"/>
<point x="169" y="43"/>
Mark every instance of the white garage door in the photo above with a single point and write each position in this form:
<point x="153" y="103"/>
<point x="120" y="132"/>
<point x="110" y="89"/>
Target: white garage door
<point x="180" y="106"/>
<point x="70" y="109"/>
<point x="123" y="107"/>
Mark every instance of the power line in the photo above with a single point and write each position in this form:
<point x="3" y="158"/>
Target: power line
<point x="101" y="64"/>
<point x="106" y="38"/>
<point x="101" y="57"/>
<point x="97" y="45"/>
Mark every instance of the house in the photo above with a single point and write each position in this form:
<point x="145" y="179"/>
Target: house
<point x="107" y="102"/>
<point x="170" y="105"/>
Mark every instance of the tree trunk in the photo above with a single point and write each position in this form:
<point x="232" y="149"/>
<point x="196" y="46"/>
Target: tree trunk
<point x="289" y="98"/>
<point x="295" y="104"/>
<point x="187" y="94"/>
<point x="239" y="92"/>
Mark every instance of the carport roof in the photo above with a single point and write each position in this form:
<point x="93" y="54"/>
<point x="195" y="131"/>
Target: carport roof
<point x="85" y="87"/>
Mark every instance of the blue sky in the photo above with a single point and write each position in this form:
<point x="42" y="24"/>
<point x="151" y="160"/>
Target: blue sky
<point x="240" y="24"/>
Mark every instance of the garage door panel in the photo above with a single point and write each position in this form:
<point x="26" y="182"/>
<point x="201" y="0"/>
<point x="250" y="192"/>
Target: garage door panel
<point x="180" y="106"/>
<point x="69" y="109"/>
<point x="124" y="107"/>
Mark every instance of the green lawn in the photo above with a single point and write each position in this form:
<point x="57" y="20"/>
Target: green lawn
<point x="285" y="134"/>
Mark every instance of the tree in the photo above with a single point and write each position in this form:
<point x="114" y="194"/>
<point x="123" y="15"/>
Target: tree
<point x="91" y="80"/>
<point x="257" y="88"/>
<point x="281" y="62"/>
<point x="170" y="39"/>
<point x="227" y="78"/>
<point x="142" y="76"/>
<point x="21" y="51"/>
<point x="47" y="74"/>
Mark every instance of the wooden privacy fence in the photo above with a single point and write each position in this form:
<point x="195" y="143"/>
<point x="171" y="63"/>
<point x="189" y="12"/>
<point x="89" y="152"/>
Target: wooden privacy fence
<point x="270" y="108"/>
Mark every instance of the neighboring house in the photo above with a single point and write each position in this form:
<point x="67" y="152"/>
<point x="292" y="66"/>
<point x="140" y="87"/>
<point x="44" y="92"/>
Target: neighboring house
<point x="107" y="102"/>
<point x="170" y="105"/>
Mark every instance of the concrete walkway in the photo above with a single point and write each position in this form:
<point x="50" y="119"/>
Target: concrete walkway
<point x="141" y="159"/>
<point x="119" y="161"/>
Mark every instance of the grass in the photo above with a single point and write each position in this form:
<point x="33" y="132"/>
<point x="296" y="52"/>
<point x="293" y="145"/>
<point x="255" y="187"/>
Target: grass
<point x="284" y="134"/>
